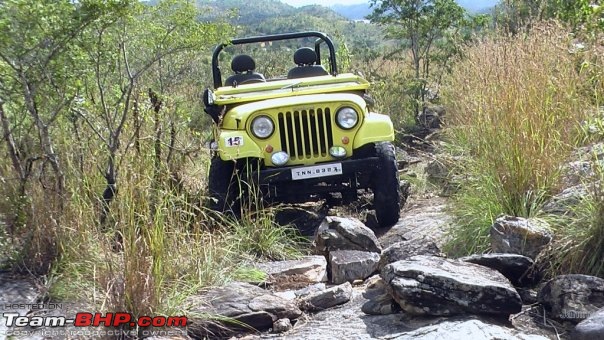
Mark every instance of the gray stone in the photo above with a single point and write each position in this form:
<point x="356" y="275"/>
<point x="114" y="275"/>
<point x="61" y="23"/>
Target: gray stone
<point x="241" y="302"/>
<point x="590" y="328"/>
<point x="406" y="249"/>
<point x="428" y="285"/>
<point x="431" y="116"/>
<point x="517" y="268"/>
<point x="564" y="202"/>
<point x="528" y="296"/>
<point x="350" y="265"/>
<point x="282" y="326"/>
<point x="338" y="233"/>
<point x="309" y="269"/>
<point x="519" y="235"/>
<point x="466" y="329"/>
<point x="304" y="216"/>
<point x="572" y="297"/>
<point x="379" y="301"/>
<point x="327" y="298"/>
<point x="436" y="172"/>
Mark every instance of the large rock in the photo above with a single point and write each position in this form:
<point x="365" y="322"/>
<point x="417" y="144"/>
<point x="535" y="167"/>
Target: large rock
<point x="351" y="265"/>
<point x="309" y="269"/>
<point x="339" y="233"/>
<point x="565" y="202"/>
<point x="427" y="285"/>
<point x="572" y="297"/>
<point x="242" y="303"/>
<point x="519" y="235"/>
<point x="406" y="249"/>
<point x="328" y="298"/>
<point x="304" y="216"/>
<point x="379" y="301"/>
<point x="466" y="329"/>
<point x="590" y="328"/>
<point x="431" y="116"/>
<point x="517" y="268"/>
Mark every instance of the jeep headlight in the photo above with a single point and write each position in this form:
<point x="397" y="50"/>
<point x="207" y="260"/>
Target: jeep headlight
<point x="262" y="127"/>
<point x="347" y="118"/>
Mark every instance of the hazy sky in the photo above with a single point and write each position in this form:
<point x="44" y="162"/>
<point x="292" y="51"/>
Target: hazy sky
<point x="322" y="2"/>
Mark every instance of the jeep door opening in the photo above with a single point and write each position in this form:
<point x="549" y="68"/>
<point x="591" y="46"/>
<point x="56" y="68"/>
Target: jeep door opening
<point x="290" y="139"/>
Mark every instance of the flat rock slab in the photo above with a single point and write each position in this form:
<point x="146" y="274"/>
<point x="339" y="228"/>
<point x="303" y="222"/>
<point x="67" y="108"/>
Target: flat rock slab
<point x="309" y="269"/>
<point x="519" y="235"/>
<point x="590" y="328"/>
<point x="404" y="250"/>
<point x="379" y="300"/>
<point x="241" y="302"/>
<point x="351" y="265"/>
<point x="422" y="219"/>
<point x="572" y="297"/>
<point x="338" y="233"/>
<point x="327" y="298"/>
<point x="428" y="285"/>
<point x="466" y="329"/>
<point x="517" y="268"/>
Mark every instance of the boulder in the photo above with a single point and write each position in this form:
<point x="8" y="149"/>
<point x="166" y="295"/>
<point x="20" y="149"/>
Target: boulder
<point x="327" y="298"/>
<point x="466" y="329"/>
<point x="517" y="268"/>
<point x="302" y="292"/>
<point x="564" y="202"/>
<point x="304" y="216"/>
<point x="282" y="326"/>
<point x="339" y="233"/>
<point x="406" y="249"/>
<point x="242" y="303"/>
<point x="351" y="265"/>
<point x="572" y="297"/>
<point x="590" y="328"/>
<point x="309" y="269"/>
<point x="528" y="296"/>
<point x="379" y="300"/>
<point x="428" y="285"/>
<point x="431" y="116"/>
<point x="519" y="235"/>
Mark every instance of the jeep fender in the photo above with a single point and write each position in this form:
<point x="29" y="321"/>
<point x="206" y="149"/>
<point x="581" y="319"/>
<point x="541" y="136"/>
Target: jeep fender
<point x="375" y="128"/>
<point x="236" y="144"/>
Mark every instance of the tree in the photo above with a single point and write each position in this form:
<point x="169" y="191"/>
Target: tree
<point x="421" y="25"/>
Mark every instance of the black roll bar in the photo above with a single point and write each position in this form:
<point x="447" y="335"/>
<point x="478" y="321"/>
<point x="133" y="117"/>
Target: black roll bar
<point x="217" y="76"/>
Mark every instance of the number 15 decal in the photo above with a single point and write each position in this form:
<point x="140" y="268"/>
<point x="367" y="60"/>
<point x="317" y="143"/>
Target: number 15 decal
<point x="233" y="141"/>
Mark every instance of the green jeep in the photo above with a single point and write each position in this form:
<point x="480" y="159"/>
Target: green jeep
<point x="305" y="136"/>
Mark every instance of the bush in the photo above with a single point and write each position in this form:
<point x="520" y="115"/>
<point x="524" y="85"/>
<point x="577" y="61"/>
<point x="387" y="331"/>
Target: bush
<point x="515" y="106"/>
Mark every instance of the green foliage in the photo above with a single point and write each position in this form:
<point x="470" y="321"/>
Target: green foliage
<point x="429" y="30"/>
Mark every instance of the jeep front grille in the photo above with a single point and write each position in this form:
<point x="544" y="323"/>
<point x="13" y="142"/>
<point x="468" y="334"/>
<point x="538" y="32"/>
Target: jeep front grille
<point x="306" y="133"/>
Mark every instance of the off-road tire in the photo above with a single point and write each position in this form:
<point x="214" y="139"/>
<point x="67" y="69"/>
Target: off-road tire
<point x="223" y="187"/>
<point x="386" y="189"/>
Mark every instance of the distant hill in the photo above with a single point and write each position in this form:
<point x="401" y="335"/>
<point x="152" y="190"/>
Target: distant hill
<point x="272" y="16"/>
<point x="353" y="12"/>
<point x="360" y="11"/>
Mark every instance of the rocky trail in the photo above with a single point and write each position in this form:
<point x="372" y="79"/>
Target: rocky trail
<point x="393" y="283"/>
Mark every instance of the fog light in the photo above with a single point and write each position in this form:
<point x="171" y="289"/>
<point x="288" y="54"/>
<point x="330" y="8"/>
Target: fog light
<point x="337" y="152"/>
<point x="279" y="158"/>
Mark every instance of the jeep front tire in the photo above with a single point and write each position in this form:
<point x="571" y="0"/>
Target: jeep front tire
<point x="223" y="187"/>
<point x="386" y="191"/>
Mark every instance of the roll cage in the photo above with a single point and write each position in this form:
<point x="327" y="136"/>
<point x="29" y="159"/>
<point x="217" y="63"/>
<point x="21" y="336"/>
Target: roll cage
<point x="321" y="38"/>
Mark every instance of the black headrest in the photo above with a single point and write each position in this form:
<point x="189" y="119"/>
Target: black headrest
<point x="305" y="56"/>
<point x="242" y="63"/>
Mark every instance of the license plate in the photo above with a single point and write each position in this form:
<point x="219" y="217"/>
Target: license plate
<point x="317" y="171"/>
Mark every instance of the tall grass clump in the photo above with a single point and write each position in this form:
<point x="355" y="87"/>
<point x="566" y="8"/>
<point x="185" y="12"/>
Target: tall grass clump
<point x="515" y="107"/>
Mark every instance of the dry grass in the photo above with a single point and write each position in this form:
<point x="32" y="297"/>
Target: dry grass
<point x="515" y="108"/>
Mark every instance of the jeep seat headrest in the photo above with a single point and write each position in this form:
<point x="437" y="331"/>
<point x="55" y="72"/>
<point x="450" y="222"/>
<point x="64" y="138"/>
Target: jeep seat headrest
<point x="243" y="63"/>
<point x="305" y="56"/>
